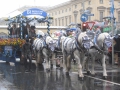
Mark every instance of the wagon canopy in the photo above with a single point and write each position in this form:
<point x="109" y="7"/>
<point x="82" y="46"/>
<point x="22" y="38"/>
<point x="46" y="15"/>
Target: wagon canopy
<point x="34" y="13"/>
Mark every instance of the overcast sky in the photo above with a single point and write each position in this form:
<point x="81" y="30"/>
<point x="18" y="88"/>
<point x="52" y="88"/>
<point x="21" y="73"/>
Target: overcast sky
<point x="7" y="6"/>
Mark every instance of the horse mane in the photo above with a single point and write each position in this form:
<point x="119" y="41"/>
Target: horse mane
<point x="101" y="38"/>
<point x="80" y="36"/>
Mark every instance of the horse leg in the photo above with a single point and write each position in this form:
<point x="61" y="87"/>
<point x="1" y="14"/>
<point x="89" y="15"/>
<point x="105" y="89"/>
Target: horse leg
<point x="93" y="64"/>
<point x="104" y="67"/>
<point x="68" y="63"/>
<point x="65" y="62"/>
<point x="52" y="60"/>
<point x="87" y="66"/>
<point x="46" y="55"/>
<point x="37" y="58"/>
<point x="77" y="57"/>
<point x="84" y="64"/>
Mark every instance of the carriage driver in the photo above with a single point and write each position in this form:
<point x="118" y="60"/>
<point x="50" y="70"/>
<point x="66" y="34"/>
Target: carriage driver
<point x="27" y="54"/>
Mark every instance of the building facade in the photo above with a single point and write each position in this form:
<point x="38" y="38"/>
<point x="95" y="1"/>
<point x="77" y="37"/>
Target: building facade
<point x="71" y="11"/>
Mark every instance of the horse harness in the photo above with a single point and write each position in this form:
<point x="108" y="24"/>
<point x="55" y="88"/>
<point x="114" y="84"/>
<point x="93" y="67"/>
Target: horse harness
<point x="107" y="42"/>
<point x="85" y="44"/>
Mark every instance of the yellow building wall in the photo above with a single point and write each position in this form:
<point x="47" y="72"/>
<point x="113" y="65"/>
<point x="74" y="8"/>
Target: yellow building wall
<point x="95" y="5"/>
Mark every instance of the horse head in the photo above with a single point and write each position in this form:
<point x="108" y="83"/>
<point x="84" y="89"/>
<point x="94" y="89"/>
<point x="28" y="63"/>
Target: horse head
<point x="60" y="40"/>
<point x="104" y="41"/>
<point x="39" y="34"/>
<point x="83" y="40"/>
<point x="50" y="42"/>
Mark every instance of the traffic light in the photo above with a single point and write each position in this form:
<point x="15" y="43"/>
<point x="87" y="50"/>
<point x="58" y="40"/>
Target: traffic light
<point x="84" y="27"/>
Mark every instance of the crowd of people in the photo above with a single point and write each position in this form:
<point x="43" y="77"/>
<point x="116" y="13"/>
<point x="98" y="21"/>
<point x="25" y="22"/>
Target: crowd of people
<point x="27" y="29"/>
<point x="28" y="33"/>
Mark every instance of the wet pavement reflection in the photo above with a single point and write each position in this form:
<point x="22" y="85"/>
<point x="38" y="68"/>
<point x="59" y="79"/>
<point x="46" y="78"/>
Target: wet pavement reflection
<point x="15" y="78"/>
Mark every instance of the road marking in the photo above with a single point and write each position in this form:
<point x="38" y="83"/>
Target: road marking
<point x="103" y="80"/>
<point x="16" y="73"/>
<point x="99" y="79"/>
<point x="1" y="74"/>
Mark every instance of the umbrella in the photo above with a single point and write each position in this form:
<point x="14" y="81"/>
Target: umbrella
<point x="73" y="29"/>
<point x="99" y="24"/>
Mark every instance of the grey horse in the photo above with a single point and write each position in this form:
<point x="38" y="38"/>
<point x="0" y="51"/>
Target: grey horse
<point x="43" y="47"/>
<point x="76" y="47"/>
<point x="99" y="51"/>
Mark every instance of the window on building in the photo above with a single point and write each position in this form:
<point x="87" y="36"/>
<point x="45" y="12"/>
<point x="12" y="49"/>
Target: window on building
<point x="66" y="21"/>
<point x="89" y="2"/>
<point x="69" y="9"/>
<point x="75" y="6"/>
<point x="55" y="13"/>
<point x="69" y="19"/>
<point x="52" y="14"/>
<point x="59" y="12"/>
<point x="56" y="22"/>
<point x="101" y="1"/>
<point x="62" y="21"/>
<point x="62" y="11"/>
<point x="59" y="22"/>
<point x="81" y="4"/>
<point x="75" y="18"/>
<point x="66" y="10"/>
<point x="53" y="23"/>
<point x="118" y="16"/>
<point x="101" y="15"/>
<point x="119" y="3"/>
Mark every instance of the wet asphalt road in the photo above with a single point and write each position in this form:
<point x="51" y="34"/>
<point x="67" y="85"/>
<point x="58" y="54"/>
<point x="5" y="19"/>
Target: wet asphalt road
<point x="15" y="78"/>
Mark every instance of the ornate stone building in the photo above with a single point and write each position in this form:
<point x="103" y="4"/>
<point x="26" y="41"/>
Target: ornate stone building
<point x="71" y="11"/>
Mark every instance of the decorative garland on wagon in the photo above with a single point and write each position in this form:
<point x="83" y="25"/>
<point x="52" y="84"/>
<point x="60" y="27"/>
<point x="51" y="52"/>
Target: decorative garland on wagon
<point x="12" y="41"/>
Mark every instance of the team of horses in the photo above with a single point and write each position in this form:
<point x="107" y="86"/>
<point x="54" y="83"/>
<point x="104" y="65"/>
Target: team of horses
<point x="79" y="47"/>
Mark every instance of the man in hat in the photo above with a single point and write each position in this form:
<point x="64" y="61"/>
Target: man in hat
<point x="27" y="54"/>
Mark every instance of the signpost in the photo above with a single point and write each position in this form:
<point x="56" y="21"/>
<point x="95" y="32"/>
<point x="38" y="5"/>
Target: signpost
<point x="84" y="17"/>
<point x="90" y="25"/>
<point x="90" y="14"/>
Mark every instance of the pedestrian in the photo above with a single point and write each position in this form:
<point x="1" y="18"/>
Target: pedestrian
<point x="27" y="54"/>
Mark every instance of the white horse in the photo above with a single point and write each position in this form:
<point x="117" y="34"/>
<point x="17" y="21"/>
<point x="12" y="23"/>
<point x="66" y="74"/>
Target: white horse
<point x="99" y="51"/>
<point x="58" y="49"/>
<point x="77" y="48"/>
<point x="43" y="48"/>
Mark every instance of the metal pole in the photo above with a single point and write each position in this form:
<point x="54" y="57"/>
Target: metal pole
<point x="112" y="43"/>
<point x="83" y="5"/>
<point x="112" y="21"/>
<point x="21" y="26"/>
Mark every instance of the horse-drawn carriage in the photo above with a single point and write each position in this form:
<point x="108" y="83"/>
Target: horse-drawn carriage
<point x="10" y="48"/>
<point x="10" y="45"/>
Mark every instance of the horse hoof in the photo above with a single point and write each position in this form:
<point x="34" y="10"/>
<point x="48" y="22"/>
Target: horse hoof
<point x="7" y="62"/>
<point x="48" y="70"/>
<point x="57" y="65"/>
<point x="80" y="78"/>
<point x="67" y="73"/>
<point x="93" y="75"/>
<point x="61" y="68"/>
<point x="104" y="77"/>
<point x="51" y="66"/>
<point x="88" y="72"/>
